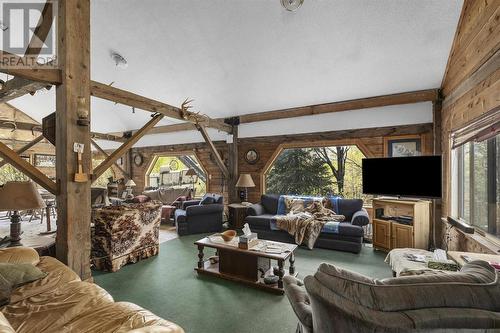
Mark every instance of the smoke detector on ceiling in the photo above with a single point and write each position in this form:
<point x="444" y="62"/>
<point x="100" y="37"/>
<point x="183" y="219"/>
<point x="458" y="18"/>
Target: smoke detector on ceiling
<point x="119" y="60"/>
<point x="291" y="5"/>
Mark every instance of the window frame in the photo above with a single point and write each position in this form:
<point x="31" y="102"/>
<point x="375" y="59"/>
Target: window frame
<point x="458" y="177"/>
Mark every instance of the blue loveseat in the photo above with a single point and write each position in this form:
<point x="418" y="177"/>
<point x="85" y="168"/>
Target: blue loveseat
<point x="347" y="236"/>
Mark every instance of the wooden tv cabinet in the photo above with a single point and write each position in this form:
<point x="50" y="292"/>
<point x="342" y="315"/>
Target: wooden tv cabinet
<point x="390" y="234"/>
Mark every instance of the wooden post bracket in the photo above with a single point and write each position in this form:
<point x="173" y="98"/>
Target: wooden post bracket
<point x="24" y="148"/>
<point x="101" y="168"/>
<point x="29" y="170"/>
<point x="106" y="155"/>
<point x="213" y="150"/>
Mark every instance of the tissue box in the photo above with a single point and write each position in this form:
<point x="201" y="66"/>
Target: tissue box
<point x="247" y="239"/>
<point x="247" y="245"/>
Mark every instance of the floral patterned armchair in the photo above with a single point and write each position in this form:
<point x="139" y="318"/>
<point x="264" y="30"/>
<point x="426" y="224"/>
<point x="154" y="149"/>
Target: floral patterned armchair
<point x="125" y="234"/>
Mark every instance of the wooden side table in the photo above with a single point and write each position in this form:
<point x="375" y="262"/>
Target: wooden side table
<point x="237" y="214"/>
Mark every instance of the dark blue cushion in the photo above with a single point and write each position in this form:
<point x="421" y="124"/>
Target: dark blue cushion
<point x="270" y="203"/>
<point x="348" y="207"/>
<point x="207" y="201"/>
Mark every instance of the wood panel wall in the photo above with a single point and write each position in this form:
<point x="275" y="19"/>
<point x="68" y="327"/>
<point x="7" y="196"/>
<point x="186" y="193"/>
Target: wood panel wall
<point x="471" y="87"/>
<point x="216" y="182"/>
<point x="370" y="140"/>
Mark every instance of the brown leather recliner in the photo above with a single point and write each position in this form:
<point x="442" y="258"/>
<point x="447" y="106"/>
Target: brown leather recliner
<point x="61" y="302"/>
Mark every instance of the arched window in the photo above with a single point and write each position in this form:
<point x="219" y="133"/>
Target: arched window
<point x="176" y="171"/>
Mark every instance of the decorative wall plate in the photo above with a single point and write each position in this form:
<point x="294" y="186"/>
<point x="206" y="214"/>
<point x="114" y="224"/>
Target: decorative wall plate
<point x="173" y="165"/>
<point x="251" y="156"/>
<point x="138" y="159"/>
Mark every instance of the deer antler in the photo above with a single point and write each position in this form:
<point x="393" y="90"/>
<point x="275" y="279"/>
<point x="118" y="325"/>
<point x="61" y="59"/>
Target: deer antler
<point x="185" y="108"/>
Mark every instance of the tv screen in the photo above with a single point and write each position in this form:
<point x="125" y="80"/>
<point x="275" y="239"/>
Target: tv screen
<point x="418" y="176"/>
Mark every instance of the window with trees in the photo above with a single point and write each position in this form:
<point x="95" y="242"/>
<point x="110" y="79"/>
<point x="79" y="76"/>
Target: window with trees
<point x="334" y="170"/>
<point x="477" y="184"/>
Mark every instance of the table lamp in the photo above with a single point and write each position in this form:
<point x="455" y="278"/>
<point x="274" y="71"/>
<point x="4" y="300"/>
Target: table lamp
<point x="129" y="184"/>
<point x="16" y="196"/>
<point x="245" y="181"/>
<point x="191" y="173"/>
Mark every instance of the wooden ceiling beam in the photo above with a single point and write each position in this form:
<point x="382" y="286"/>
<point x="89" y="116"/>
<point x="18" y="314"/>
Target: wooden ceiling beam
<point x="107" y="137"/>
<point x="117" y="95"/>
<point x="101" y="168"/>
<point x="28" y="68"/>
<point x="16" y="125"/>
<point x="213" y="150"/>
<point x="25" y="148"/>
<point x="17" y="87"/>
<point x="29" y="170"/>
<point x="106" y="155"/>
<point x="429" y="95"/>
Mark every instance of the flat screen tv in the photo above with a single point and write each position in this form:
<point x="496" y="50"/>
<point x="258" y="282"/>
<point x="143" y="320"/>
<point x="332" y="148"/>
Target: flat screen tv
<point x="415" y="177"/>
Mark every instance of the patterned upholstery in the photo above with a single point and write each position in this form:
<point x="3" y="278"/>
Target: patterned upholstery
<point x="125" y="234"/>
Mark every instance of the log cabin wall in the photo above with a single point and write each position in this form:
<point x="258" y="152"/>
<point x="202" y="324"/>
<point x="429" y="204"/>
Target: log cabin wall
<point x="471" y="87"/>
<point x="369" y="140"/>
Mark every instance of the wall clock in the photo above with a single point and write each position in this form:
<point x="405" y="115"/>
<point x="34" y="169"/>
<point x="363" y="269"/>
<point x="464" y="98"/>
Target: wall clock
<point x="173" y="165"/>
<point x="251" y="156"/>
<point x="138" y="159"/>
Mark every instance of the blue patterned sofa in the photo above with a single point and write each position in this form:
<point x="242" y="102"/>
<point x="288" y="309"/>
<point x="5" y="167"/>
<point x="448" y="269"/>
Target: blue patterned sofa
<point x="345" y="236"/>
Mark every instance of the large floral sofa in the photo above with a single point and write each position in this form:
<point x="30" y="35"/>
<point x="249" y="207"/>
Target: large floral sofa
<point x="125" y="234"/>
<point x="61" y="302"/>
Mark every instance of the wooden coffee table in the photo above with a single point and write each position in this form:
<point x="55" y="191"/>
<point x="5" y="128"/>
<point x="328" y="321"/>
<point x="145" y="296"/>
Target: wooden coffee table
<point x="243" y="266"/>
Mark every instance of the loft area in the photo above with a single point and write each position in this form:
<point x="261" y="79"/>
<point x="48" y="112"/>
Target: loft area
<point x="319" y="166"/>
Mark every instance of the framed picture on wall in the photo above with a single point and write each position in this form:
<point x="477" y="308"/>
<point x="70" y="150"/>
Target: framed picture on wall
<point x="399" y="147"/>
<point x="45" y="160"/>
<point x="26" y="158"/>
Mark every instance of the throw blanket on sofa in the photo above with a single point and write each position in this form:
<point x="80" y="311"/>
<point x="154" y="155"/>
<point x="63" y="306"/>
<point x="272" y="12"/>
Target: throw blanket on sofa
<point x="305" y="224"/>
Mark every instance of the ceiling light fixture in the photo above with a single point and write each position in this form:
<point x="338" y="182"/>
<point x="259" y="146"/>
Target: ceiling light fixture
<point x="291" y="5"/>
<point x="119" y="60"/>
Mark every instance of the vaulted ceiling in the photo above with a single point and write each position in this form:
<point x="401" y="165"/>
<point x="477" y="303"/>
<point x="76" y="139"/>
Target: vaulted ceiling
<point x="235" y="57"/>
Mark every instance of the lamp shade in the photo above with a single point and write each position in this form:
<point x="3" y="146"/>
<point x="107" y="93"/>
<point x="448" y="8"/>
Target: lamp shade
<point x="20" y="196"/>
<point x="130" y="183"/>
<point x="191" y="172"/>
<point x="245" y="180"/>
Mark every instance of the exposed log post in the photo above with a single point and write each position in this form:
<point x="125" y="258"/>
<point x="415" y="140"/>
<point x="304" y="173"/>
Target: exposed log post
<point x="101" y="168"/>
<point x="213" y="150"/>
<point x="106" y="155"/>
<point x="233" y="161"/>
<point x="437" y="106"/>
<point x="29" y="170"/>
<point x="73" y="202"/>
<point x="24" y="148"/>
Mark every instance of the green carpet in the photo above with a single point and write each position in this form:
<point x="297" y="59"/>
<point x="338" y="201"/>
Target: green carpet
<point x="168" y="286"/>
